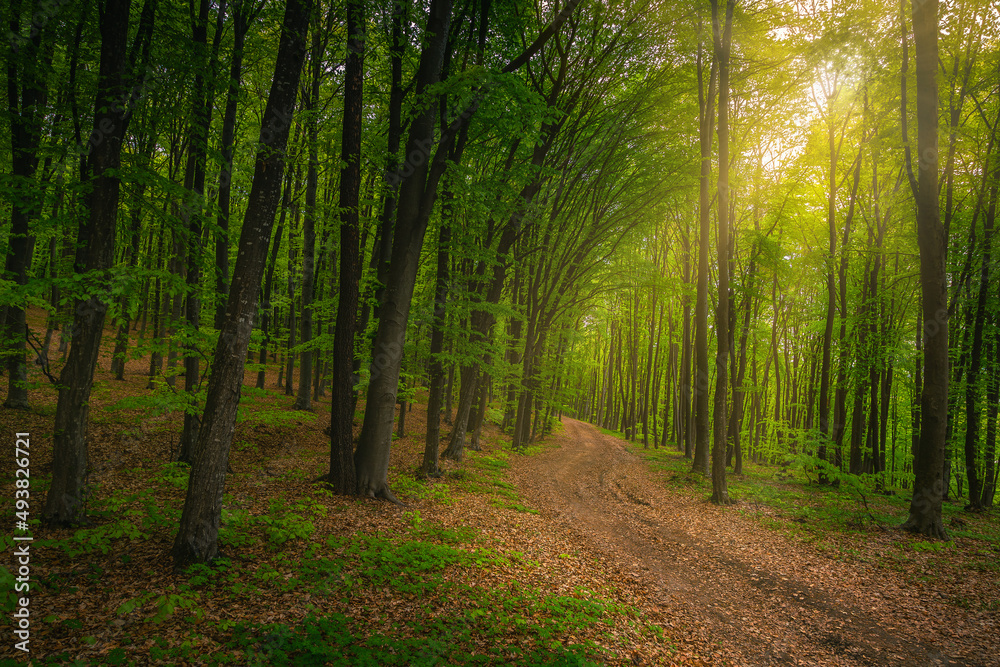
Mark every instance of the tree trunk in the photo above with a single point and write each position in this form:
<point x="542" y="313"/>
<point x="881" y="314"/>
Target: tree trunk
<point x="64" y="501"/>
<point x="480" y="416"/>
<point x="722" y="38"/>
<point x="684" y="375"/>
<point x="992" y="408"/>
<point x="831" y="294"/>
<point x="266" y="325"/>
<point x="342" y="468"/>
<point x="928" y="487"/>
<point x="840" y="395"/>
<point x="303" y="399"/>
<point x="197" y="538"/>
<point x="706" y="101"/>
<point x="290" y="316"/>
<point x="973" y="409"/>
<point x="201" y="120"/>
<point x="432" y="443"/>
<point x="416" y="198"/>
<point x="736" y="418"/>
<point x="120" y="354"/>
<point x="241" y="23"/>
<point x="26" y="102"/>
<point x="159" y="316"/>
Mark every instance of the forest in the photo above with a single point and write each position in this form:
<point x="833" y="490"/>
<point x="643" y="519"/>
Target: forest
<point x="265" y="259"/>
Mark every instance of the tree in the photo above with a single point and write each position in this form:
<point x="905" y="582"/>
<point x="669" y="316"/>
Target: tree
<point x="302" y="400"/>
<point x="706" y="115"/>
<point x="197" y="537"/>
<point x="28" y="64"/>
<point x="417" y="195"/>
<point x="193" y="208"/>
<point x="342" y="476"/>
<point x="928" y="487"/>
<point x="116" y="92"/>
<point x="416" y="198"/>
<point x="722" y="38"/>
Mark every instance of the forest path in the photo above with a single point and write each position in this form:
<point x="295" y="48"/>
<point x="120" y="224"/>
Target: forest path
<point x="763" y="598"/>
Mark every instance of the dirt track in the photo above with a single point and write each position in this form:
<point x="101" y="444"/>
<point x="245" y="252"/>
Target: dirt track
<point x="766" y="600"/>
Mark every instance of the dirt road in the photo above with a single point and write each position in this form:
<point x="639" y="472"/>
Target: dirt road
<point x="766" y="599"/>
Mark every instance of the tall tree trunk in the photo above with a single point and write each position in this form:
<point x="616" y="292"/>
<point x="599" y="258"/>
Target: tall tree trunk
<point x="973" y="409"/>
<point x="194" y="183"/>
<point x="27" y="66"/>
<point x="381" y="253"/>
<point x="290" y="316"/>
<point x="266" y="323"/>
<point x="342" y="467"/>
<point x="241" y="23"/>
<point x="992" y="409"/>
<point x="722" y="37"/>
<point x="831" y="294"/>
<point x="416" y="198"/>
<point x="480" y="416"/>
<point x="303" y="400"/>
<point x="128" y="302"/>
<point x="684" y="375"/>
<point x="64" y="501"/>
<point x="158" y="305"/>
<point x="928" y="487"/>
<point x="706" y="103"/>
<point x="840" y="395"/>
<point x="736" y="418"/>
<point x="197" y="537"/>
<point x="432" y="443"/>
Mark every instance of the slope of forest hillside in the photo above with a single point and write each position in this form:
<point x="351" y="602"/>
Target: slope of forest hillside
<point x="583" y="549"/>
<point x="266" y="261"/>
<point x="464" y="573"/>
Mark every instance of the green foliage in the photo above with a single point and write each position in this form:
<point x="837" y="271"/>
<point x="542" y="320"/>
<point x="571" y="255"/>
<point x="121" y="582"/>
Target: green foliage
<point x="174" y="474"/>
<point x="258" y="406"/>
<point x="235" y="528"/>
<point x="285" y="522"/>
<point x="439" y="533"/>
<point x="409" y="567"/>
<point x="135" y="516"/>
<point x="164" y="605"/>
<point x="425" y="489"/>
<point x="162" y="400"/>
<point x="7" y="583"/>
<point x="921" y="545"/>
<point x="337" y="640"/>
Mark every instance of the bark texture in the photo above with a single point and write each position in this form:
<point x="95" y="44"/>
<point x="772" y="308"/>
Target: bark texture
<point x="197" y="538"/>
<point x="342" y="475"/>
<point x="417" y="193"/>
<point x="64" y="501"/>
<point x="929" y="487"/>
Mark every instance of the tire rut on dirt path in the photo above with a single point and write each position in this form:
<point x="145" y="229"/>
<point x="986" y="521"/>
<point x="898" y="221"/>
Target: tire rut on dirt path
<point x="765" y="599"/>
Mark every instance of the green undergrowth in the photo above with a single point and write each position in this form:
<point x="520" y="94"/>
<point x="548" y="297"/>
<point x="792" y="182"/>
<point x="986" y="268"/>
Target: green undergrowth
<point x="448" y="594"/>
<point x="434" y="569"/>
<point x="481" y="472"/>
<point x="447" y="621"/>
<point x="835" y="516"/>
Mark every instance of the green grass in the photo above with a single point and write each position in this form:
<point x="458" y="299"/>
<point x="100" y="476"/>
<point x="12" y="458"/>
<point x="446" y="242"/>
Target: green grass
<point x="834" y="518"/>
<point x="520" y="625"/>
<point x="438" y="571"/>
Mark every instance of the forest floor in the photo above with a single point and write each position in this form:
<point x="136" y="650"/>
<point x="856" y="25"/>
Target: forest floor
<point x="573" y="552"/>
<point x="764" y="596"/>
<point x="465" y="572"/>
